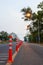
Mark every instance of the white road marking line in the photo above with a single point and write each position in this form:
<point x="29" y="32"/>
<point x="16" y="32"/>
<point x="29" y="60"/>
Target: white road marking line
<point x="2" y="61"/>
<point x="3" y="56"/>
<point x="14" y="55"/>
<point x="9" y="64"/>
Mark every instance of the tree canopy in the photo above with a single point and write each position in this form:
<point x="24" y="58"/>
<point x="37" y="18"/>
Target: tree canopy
<point x="37" y="20"/>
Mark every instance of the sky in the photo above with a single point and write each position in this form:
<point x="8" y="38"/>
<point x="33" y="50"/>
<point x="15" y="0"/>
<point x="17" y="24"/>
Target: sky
<point x="11" y="15"/>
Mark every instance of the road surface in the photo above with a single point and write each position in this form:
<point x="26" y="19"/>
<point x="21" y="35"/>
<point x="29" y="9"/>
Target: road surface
<point x="29" y="54"/>
<point x="4" y="48"/>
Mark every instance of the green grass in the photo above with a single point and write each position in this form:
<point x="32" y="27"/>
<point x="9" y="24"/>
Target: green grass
<point x="4" y="42"/>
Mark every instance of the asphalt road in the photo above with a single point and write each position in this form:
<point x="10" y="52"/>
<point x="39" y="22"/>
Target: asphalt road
<point x="4" y="48"/>
<point x="29" y="54"/>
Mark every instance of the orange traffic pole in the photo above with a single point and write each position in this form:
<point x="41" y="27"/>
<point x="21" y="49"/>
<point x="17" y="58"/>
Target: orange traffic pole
<point x="16" y="47"/>
<point x="10" y="50"/>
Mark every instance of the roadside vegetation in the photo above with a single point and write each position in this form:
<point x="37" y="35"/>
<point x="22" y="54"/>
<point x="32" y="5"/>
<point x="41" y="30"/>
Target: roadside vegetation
<point x="36" y="27"/>
<point x="4" y="37"/>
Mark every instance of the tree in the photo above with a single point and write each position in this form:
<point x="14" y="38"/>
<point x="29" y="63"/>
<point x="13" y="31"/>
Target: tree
<point x="27" y="13"/>
<point x="3" y="35"/>
<point x="37" y="20"/>
<point x="40" y="5"/>
<point x="25" y="39"/>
